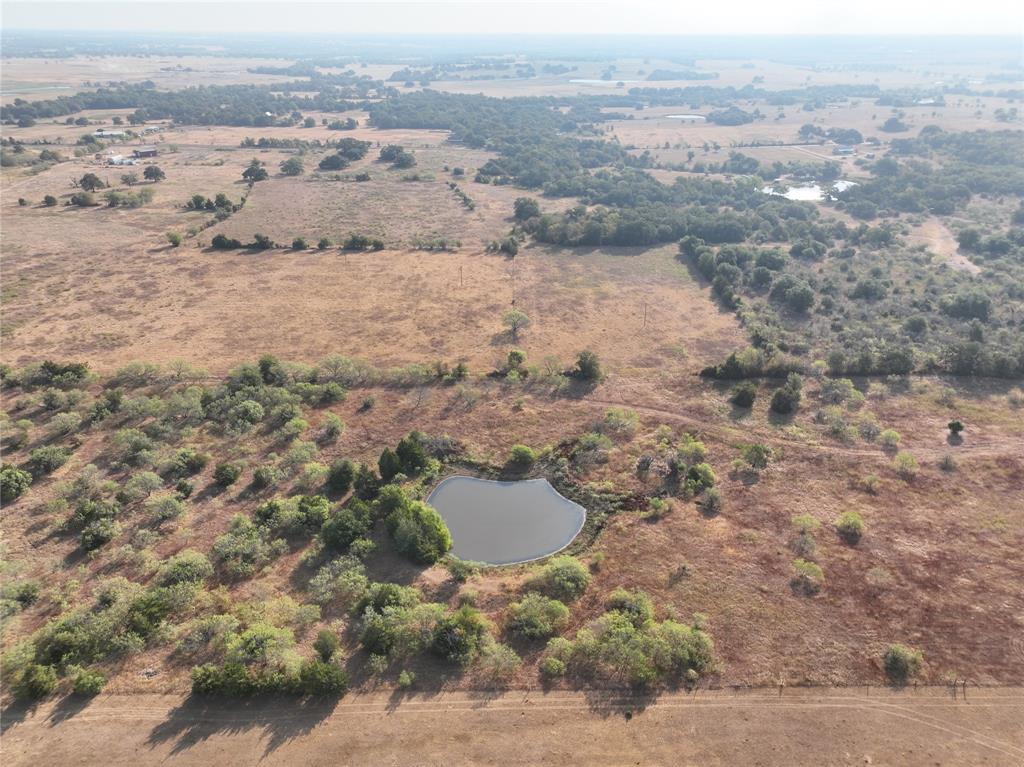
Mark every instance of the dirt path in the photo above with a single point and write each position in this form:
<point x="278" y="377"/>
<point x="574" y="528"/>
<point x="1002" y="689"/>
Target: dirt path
<point x="936" y="237"/>
<point x="799" y="727"/>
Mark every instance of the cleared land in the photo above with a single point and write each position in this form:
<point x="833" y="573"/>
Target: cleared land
<point x="800" y="728"/>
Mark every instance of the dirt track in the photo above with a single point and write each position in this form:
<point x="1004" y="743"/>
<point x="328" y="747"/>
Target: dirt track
<point x="800" y="727"/>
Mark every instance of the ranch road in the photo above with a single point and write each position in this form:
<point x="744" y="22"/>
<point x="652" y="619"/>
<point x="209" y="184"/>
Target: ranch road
<point x="803" y="726"/>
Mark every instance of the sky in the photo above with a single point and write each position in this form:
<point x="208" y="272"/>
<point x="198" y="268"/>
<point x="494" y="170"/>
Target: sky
<point x="657" y="17"/>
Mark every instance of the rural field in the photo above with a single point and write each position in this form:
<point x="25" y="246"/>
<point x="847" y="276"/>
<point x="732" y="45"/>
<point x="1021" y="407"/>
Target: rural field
<point x="255" y="308"/>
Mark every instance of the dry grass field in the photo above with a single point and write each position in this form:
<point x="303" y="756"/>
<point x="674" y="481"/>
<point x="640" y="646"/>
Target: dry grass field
<point x="939" y="567"/>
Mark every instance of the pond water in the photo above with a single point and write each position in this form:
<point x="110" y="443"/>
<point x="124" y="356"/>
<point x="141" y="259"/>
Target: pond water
<point x="688" y="118"/>
<point x="809" y="192"/>
<point x="502" y="523"/>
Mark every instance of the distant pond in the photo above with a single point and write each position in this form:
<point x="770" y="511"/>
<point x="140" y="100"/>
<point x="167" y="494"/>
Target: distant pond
<point x="502" y="523"/>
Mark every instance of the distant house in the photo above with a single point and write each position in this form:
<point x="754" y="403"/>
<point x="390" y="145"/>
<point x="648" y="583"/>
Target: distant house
<point x="103" y="133"/>
<point x="844" y="150"/>
<point x="145" y="151"/>
<point x="119" y="159"/>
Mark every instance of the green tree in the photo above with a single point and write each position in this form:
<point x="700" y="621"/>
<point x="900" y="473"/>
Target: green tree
<point x="90" y="182"/>
<point x="515" y="321"/>
<point x="292" y="167"/>
<point x="153" y="173"/>
<point x="255" y="172"/>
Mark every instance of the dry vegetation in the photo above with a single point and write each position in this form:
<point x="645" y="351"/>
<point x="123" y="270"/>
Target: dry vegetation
<point x="937" y="567"/>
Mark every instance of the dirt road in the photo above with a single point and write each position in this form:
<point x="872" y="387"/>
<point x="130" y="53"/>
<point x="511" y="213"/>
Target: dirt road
<point x="800" y="727"/>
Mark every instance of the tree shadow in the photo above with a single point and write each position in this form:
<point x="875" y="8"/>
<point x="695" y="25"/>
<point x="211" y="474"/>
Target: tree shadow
<point x="282" y="720"/>
<point x="954" y="440"/>
<point x="68" y="707"/>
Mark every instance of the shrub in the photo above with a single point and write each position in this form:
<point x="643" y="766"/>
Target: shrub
<point x="89" y="683"/>
<point x="563" y="577"/>
<point x="49" y="201"/>
<point x="242" y="550"/>
<point x="515" y="321"/>
<point x="552" y="667"/>
<point x="756" y="455"/>
<point x="743" y="394"/>
<point x="98" y="532"/>
<point x="522" y="455"/>
<point x="299" y="243"/>
<point x="326" y="644"/>
<point x="318" y="677"/>
<point x="457" y="637"/>
<point x="588" y="367"/>
<point x="341" y="475"/>
<point x="462" y="570"/>
<point x="850" y="527"/>
<point x="227" y="473"/>
<point x="947" y="463"/>
<point x="44" y="460"/>
<point x="537" y="617"/>
<point x="808" y="577"/>
<point x="188" y="566"/>
<point x="13" y="483"/>
<point x="905" y="465"/>
<point x="955" y="427"/>
<point x="346" y="525"/>
<point x="890" y="438"/>
<point x="406" y="679"/>
<point x="901" y="663"/>
<point x="188" y="461"/>
<point x="342" y="580"/>
<point x="497" y="662"/>
<point x="712" y="502"/>
<point x="165" y="507"/>
<point x="785" y="399"/>
<point x="35" y="682"/>
<point x="419" y="532"/>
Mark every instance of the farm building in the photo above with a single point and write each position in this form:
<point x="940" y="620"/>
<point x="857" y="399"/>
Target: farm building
<point x="145" y="151"/>
<point x="103" y="133"/>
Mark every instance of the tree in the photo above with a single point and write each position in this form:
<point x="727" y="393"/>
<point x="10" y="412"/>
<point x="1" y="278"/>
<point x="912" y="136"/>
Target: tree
<point x="292" y="167"/>
<point x="563" y="577"/>
<point x="333" y="162"/>
<point x="13" y="483"/>
<point x="49" y="201"/>
<point x="90" y="182"/>
<point x="341" y="476"/>
<point x="255" y="172"/>
<point x="227" y="473"/>
<point x="901" y="663"/>
<point x="129" y="179"/>
<point x="537" y="616"/>
<point x="153" y="173"/>
<point x="588" y="367"/>
<point x="515" y="321"/>
<point x="743" y="394"/>
<point x="299" y="243"/>
<point x="955" y="427"/>
<point x="174" y="238"/>
<point x="850" y="526"/>
<point x="389" y="464"/>
<point x="526" y="208"/>
<point x="35" y="681"/>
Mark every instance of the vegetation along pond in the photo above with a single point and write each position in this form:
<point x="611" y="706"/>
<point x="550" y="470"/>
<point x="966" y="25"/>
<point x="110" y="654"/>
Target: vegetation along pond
<point x="502" y="523"/>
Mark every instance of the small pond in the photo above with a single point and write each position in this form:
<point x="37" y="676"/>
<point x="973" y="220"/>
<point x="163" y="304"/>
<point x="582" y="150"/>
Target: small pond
<point x="810" y="192"/>
<point x="502" y="523"/>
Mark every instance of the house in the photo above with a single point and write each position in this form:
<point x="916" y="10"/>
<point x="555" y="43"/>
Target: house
<point x="120" y="159"/>
<point x="844" y="150"/>
<point x="145" y="151"/>
<point x="103" y="133"/>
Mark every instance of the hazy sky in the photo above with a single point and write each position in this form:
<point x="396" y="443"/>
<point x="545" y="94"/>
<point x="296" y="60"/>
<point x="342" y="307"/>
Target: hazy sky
<point x="665" y="17"/>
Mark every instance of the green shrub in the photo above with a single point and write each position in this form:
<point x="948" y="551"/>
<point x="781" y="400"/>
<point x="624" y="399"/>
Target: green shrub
<point x="165" y="507"/>
<point x="905" y="465"/>
<point x="227" y="473"/>
<point x="635" y="605"/>
<point x="537" y="617"/>
<point x="457" y="637"/>
<point x="890" y="438"/>
<point x="712" y="502"/>
<point x="850" y="527"/>
<point x="13" y="483"/>
<point x="552" y="667"/>
<point x="98" y="532"/>
<point x="901" y="663"/>
<point x="417" y="529"/>
<point x="522" y="456"/>
<point x="346" y="525"/>
<point x="188" y="566"/>
<point x="743" y="394"/>
<point x="89" y="683"/>
<point x="341" y="476"/>
<point x="341" y="580"/>
<point x="326" y="644"/>
<point x="44" y="460"/>
<point x="563" y="577"/>
<point x="808" y="577"/>
<point x="243" y="550"/>
<point x="188" y="461"/>
<point x="756" y="455"/>
<point x="35" y="682"/>
<point x="319" y="677"/>
<point x="588" y="367"/>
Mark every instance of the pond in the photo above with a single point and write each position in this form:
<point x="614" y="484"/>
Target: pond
<point x="502" y="523"/>
<point x="688" y="118"/>
<point x="810" y="192"/>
